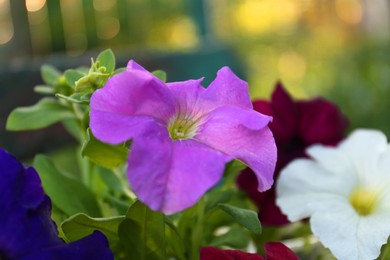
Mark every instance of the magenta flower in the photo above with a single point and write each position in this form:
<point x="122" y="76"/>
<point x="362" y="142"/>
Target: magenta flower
<point x="182" y="134"/>
<point x="296" y="125"/>
<point x="273" y="251"/>
<point x="26" y="228"/>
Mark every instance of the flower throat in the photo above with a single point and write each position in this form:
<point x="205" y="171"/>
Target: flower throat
<point x="181" y="128"/>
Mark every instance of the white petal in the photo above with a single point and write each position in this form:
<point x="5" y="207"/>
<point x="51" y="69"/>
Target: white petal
<point x="304" y="187"/>
<point x="373" y="232"/>
<point x="336" y="228"/>
<point x="350" y="236"/>
<point x="382" y="172"/>
<point x="332" y="159"/>
<point x="364" y="147"/>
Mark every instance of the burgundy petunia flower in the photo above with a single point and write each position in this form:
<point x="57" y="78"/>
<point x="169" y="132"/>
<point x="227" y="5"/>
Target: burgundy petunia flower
<point x="273" y="251"/>
<point x="182" y="133"/>
<point x="296" y="125"/>
<point x="26" y="228"/>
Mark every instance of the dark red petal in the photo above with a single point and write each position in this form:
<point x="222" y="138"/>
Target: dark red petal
<point x="285" y="114"/>
<point x="270" y="214"/>
<point x="321" y="122"/>
<point x="247" y="181"/>
<point x="263" y="107"/>
<point x="278" y="251"/>
<point x="212" y="253"/>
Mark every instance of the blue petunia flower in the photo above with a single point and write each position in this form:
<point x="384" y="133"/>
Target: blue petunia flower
<point x="26" y="229"/>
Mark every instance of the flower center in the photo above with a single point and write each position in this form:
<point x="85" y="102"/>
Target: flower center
<point x="182" y="127"/>
<point x="364" y="201"/>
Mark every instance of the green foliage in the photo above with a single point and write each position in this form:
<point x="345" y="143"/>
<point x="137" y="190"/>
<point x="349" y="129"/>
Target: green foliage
<point x="245" y="217"/>
<point x="103" y="154"/>
<point x="142" y="233"/>
<point x="175" y="242"/>
<point x="160" y="74"/>
<point x="46" y="112"/>
<point x="49" y="74"/>
<point x="107" y="59"/>
<point x="72" y="76"/>
<point x="81" y="225"/>
<point x="235" y="237"/>
<point x="69" y="195"/>
<point x="44" y="90"/>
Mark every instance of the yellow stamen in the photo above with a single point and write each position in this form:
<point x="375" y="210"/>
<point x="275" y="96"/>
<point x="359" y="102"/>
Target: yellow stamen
<point x="364" y="201"/>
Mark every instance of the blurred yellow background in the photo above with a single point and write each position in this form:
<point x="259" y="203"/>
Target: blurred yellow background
<point x="339" y="49"/>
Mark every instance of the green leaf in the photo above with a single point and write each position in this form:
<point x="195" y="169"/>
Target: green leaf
<point x="234" y="167"/>
<point x="78" y="98"/>
<point x="216" y="196"/>
<point x="81" y="225"/>
<point x="46" y="112"/>
<point x="72" y="76"/>
<point x="44" y="89"/>
<point x="69" y="195"/>
<point x="118" y="71"/>
<point x="160" y="74"/>
<point x="106" y="155"/>
<point x="50" y="74"/>
<point x="236" y="237"/>
<point x="174" y="240"/>
<point x="142" y="233"/>
<point x="107" y="59"/>
<point x="245" y="217"/>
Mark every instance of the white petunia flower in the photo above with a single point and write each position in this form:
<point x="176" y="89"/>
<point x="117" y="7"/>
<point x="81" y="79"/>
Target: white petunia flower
<point x="345" y="191"/>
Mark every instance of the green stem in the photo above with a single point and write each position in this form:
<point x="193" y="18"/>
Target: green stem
<point x="197" y="233"/>
<point x="386" y="253"/>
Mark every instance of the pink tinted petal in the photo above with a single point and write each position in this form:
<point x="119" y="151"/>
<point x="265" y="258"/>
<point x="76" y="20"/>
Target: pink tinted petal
<point x="117" y="128"/>
<point x="172" y="176"/>
<point x="187" y="93"/>
<point x="278" y="251"/>
<point x="132" y="65"/>
<point x="135" y="92"/>
<point x="243" y="134"/>
<point x="226" y="89"/>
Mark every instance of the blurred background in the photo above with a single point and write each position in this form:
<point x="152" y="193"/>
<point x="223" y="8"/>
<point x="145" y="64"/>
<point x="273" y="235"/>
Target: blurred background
<point x="339" y="49"/>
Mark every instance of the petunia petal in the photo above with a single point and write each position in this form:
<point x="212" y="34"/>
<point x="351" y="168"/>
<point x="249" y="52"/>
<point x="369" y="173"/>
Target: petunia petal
<point x="25" y="222"/>
<point x="350" y="236"/>
<point x="355" y="148"/>
<point x="132" y="65"/>
<point x="115" y="128"/>
<point x="226" y="89"/>
<point x="331" y="159"/>
<point x="320" y="122"/>
<point x="213" y="253"/>
<point x="26" y="228"/>
<point x="336" y="228"/>
<point x="176" y="176"/>
<point x="94" y="246"/>
<point x="278" y="251"/>
<point x="135" y="92"/>
<point x="299" y="196"/>
<point x="373" y="232"/>
<point x="285" y="113"/>
<point x="243" y="134"/>
<point x="187" y="94"/>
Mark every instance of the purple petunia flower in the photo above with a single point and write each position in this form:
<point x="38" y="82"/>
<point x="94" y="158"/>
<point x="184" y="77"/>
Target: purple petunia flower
<point x="26" y="229"/>
<point x="182" y="134"/>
